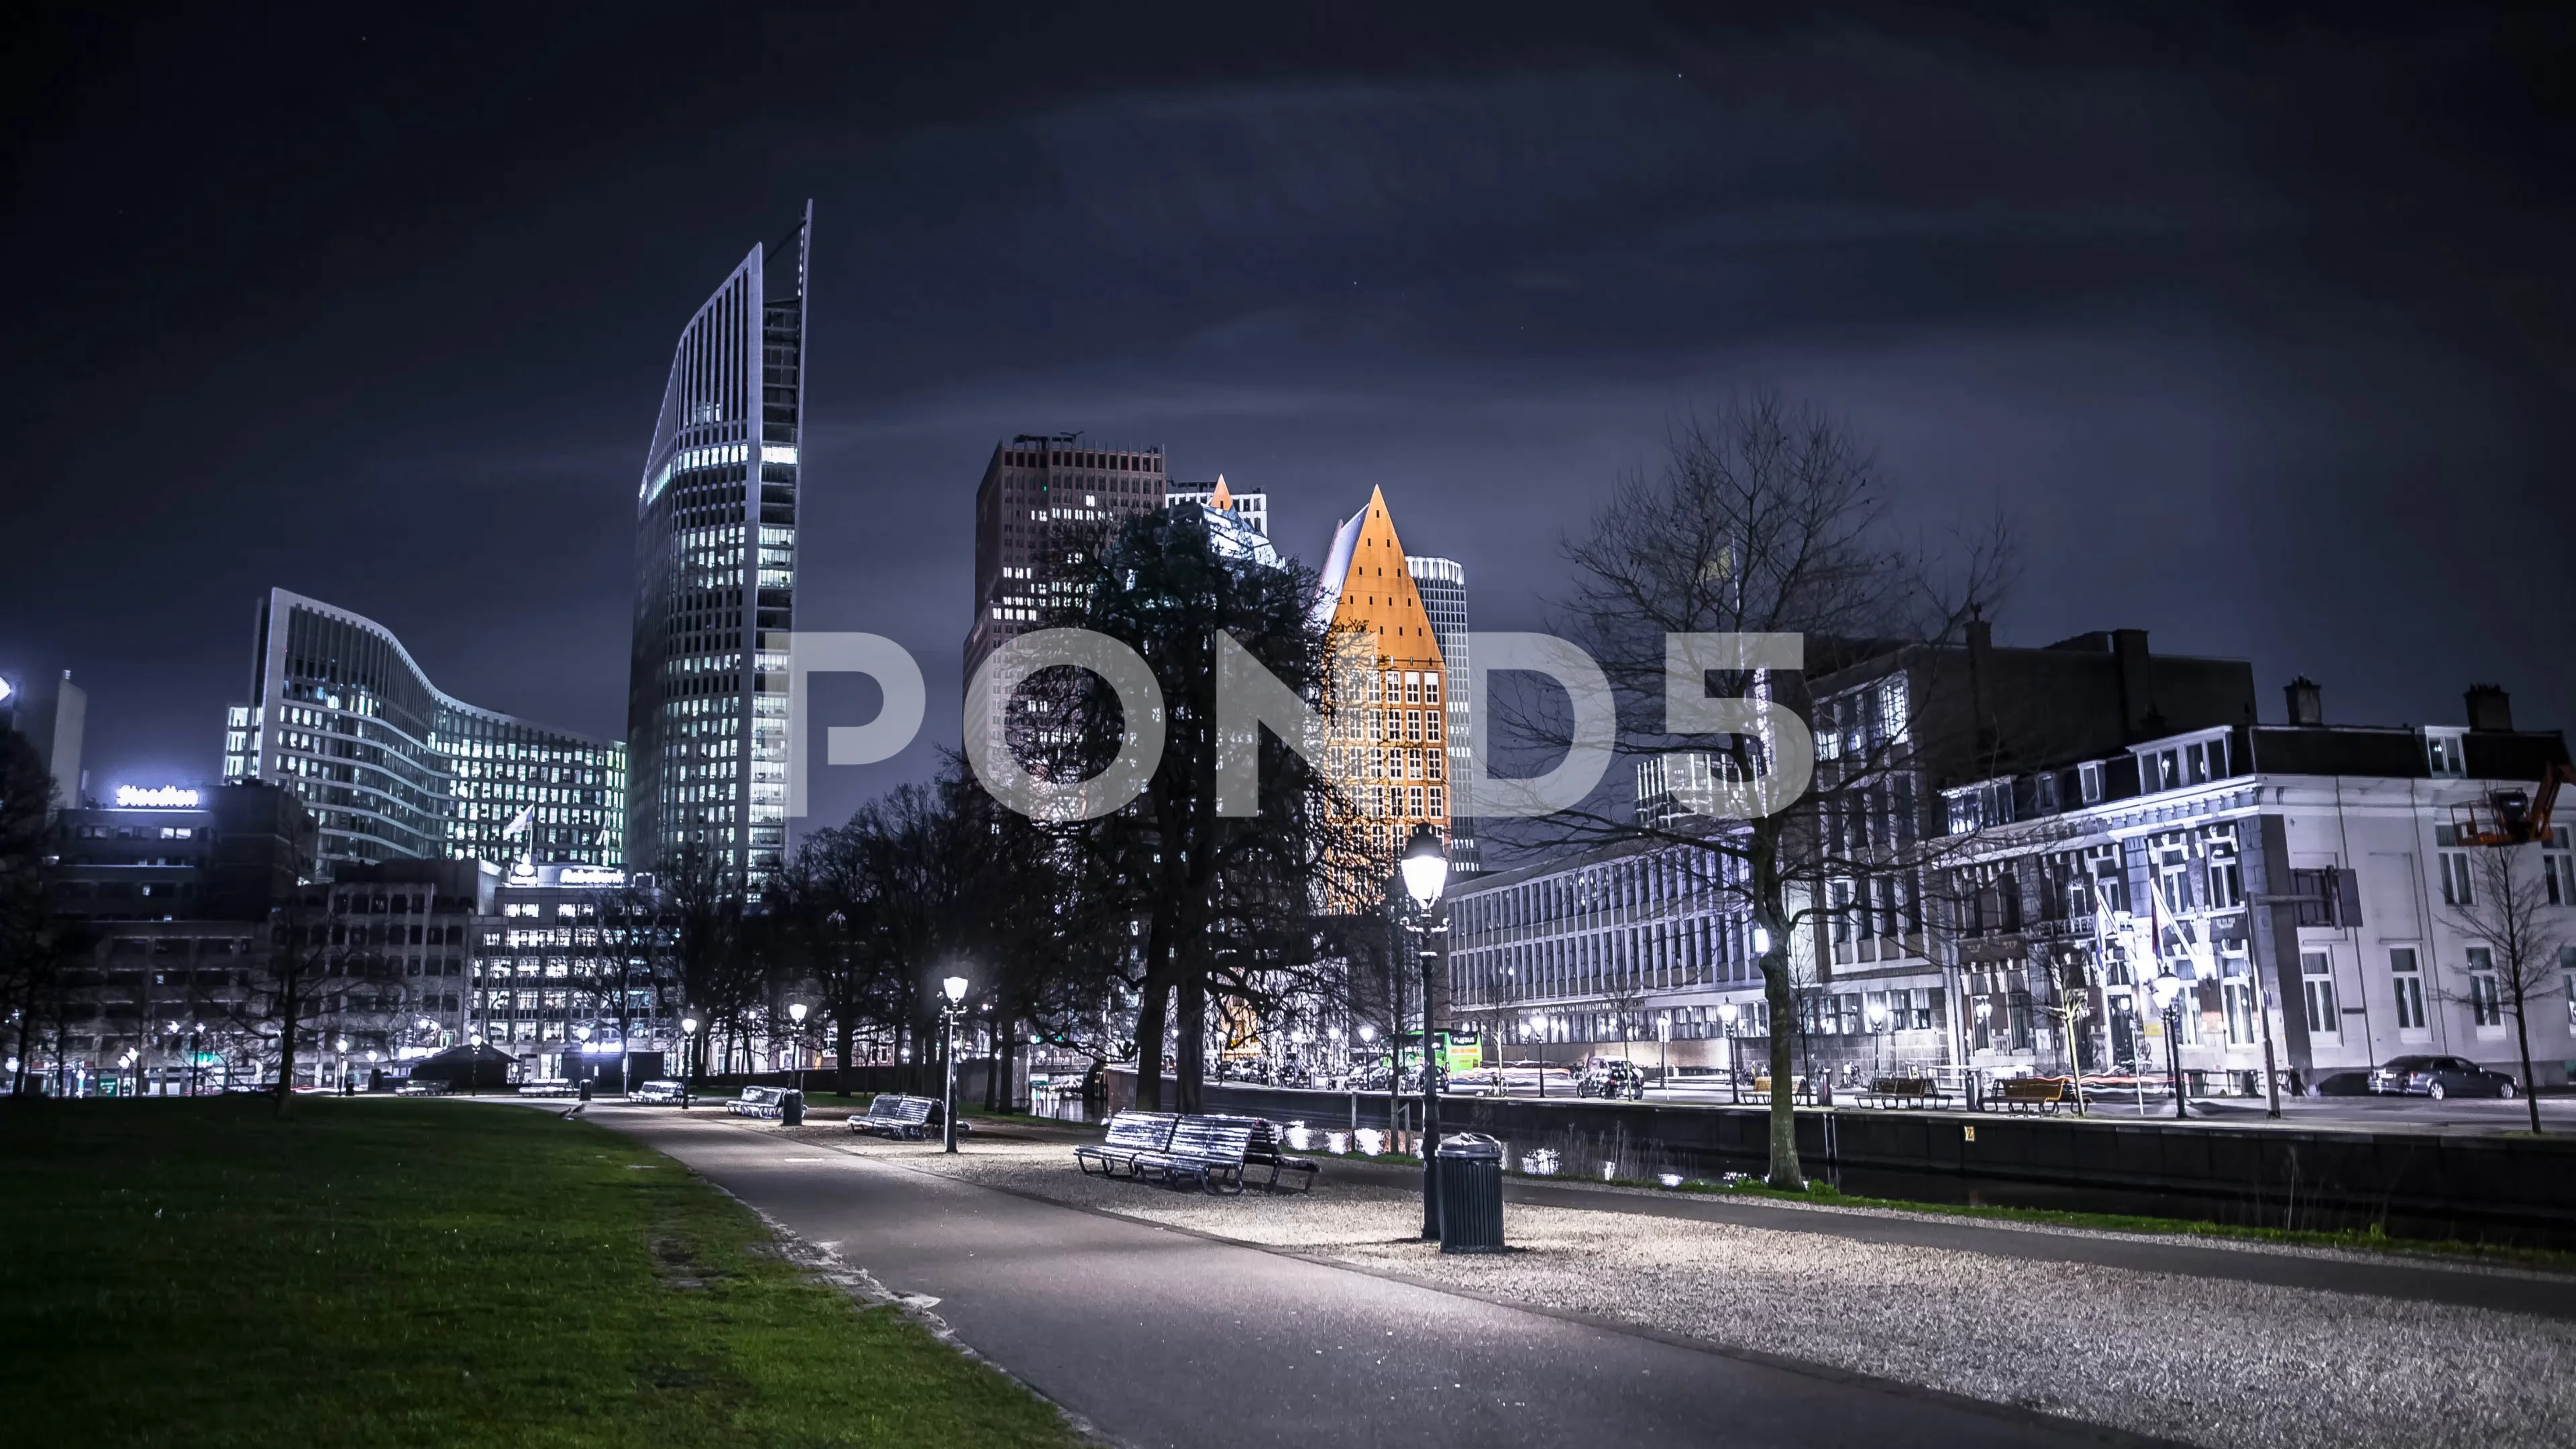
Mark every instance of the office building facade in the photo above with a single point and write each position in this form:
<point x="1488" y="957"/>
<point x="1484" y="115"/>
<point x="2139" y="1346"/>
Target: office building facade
<point x="1443" y="584"/>
<point x="715" y="577"/>
<point x="1386" y="728"/>
<point x="1044" y="498"/>
<point x="393" y="768"/>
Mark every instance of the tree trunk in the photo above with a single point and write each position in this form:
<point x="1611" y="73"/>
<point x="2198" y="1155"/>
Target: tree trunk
<point x="841" y="1030"/>
<point x="1190" y="1044"/>
<point x="1785" y="1172"/>
<point x="2522" y="1035"/>
<point x="1151" y="1016"/>
<point x="286" y="1058"/>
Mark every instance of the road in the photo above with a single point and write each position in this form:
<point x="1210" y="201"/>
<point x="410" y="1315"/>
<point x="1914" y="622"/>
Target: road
<point x="1160" y="1337"/>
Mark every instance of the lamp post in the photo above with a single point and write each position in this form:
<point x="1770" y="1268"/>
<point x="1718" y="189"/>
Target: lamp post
<point x="581" y="1054"/>
<point x="954" y="988"/>
<point x="343" y="1045"/>
<point x="1426" y="875"/>
<point x="1878" y="1039"/>
<point x="1663" y="1054"/>
<point x="1726" y="1014"/>
<point x="688" y="1057"/>
<point x="796" y="1014"/>
<point x="2168" y="989"/>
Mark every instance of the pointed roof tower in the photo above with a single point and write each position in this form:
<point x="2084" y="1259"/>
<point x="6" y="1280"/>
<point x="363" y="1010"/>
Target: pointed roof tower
<point x="1366" y="587"/>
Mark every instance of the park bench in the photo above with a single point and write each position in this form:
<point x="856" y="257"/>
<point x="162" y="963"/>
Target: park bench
<point x="758" y="1102"/>
<point x="1891" y="1091"/>
<point x="1267" y="1149"/>
<point x="1131" y="1135"/>
<point x="2042" y="1093"/>
<point x="900" y="1117"/>
<point x="1206" y="1151"/>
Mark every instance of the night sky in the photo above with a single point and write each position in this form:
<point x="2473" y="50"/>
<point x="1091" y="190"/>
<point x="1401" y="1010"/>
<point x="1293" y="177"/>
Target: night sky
<point x="2259" y="333"/>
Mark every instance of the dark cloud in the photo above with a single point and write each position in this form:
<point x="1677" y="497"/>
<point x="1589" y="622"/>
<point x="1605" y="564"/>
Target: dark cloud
<point x="2259" y="330"/>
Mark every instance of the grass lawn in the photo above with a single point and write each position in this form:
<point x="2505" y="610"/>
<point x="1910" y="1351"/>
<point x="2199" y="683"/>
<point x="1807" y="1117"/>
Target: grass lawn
<point x="432" y="1273"/>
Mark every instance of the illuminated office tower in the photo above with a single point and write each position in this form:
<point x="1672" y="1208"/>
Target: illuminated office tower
<point x="1443" y="583"/>
<point x="1044" y="497"/>
<point x="1387" y="730"/>
<point x="393" y="768"/>
<point x="715" y="578"/>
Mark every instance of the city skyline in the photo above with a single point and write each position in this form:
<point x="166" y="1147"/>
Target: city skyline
<point x="2207" y="345"/>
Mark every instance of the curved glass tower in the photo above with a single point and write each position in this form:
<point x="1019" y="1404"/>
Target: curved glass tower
<point x="393" y="768"/>
<point x="715" y="578"/>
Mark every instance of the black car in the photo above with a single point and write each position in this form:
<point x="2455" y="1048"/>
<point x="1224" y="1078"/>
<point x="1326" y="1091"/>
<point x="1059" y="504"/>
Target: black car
<point x="2439" y="1077"/>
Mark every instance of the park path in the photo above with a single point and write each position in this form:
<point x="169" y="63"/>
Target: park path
<point x="1162" y="1337"/>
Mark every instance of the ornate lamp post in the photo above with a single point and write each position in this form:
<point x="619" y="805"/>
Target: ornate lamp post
<point x="688" y="1057"/>
<point x="1426" y="874"/>
<point x="2168" y="991"/>
<point x="954" y="988"/>
<point x="1726" y="1012"/>
<point x="796" y="1014"/>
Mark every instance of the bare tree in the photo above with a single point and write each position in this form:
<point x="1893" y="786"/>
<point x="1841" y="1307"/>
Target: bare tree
<point x="2517" y="933"/>
<point x="1766" y="520"/>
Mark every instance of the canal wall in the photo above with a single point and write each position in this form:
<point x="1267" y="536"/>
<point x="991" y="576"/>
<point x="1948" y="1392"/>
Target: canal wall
<point x="2311" y="1173"/>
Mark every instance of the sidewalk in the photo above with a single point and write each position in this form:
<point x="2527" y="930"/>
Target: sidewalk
<point x="2220" y="1345"/>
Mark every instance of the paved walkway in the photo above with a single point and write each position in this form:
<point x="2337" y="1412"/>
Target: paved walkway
<point x="1162" y="1337"/>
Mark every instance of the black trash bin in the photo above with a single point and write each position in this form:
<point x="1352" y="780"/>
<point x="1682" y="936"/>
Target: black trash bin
<point x="791" y="1109"/>
<point x="585" y="1089"/>
<point x="1470" y="1165"/>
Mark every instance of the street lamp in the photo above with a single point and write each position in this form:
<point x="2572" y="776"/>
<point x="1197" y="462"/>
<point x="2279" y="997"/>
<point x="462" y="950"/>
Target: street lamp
<point x="2168" y="991"/>
<point x="796" y="1014"/>
<point x="1726" y="1012"/>
<point x="581" y="1053"/>
<point x="1878" y="1036"/>
<point x="1426" y="874"/>
<point x="688" y="1057"/>
<point x="343" y="1045"/>
<point x="954" y="988"/>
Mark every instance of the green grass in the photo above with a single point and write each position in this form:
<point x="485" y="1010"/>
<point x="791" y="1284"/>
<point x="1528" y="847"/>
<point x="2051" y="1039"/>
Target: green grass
<point x="430" y="1273"/>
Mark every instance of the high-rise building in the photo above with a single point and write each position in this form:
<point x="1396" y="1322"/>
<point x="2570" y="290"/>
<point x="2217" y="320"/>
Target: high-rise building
<point x="715" y="576"/>
<point x="1386" y="731"/>
<point x="1045" y="497"/>
<point x="1443" y="583"/>
<point x="393" y="768"/>
<point x="1250" y="505"/>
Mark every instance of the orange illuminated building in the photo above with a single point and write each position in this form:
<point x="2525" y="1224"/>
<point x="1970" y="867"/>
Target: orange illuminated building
<point x="1386" y="714"/>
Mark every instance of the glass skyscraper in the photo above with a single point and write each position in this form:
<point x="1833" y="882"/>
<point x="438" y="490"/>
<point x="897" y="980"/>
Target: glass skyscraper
<point x="1443" y="585"/>
<point x="715" y="577"/>
<point x="392" y="768"/>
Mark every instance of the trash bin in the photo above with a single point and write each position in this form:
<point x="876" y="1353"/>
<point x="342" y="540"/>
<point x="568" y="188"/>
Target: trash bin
<point x="791" y="1109"/>
<point x="585" y="1089"/>
<point x="1470" y="1166"/>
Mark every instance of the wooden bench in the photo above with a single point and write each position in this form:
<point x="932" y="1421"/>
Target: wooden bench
<point x="894" y="1115"/>
<point x="1206" y="1153"/>
<point x="1131" y="1135"/>
<point x="2043" y="1093"/>
<point x="1889" y="1091"/>
<point x="1268" y="1149"/>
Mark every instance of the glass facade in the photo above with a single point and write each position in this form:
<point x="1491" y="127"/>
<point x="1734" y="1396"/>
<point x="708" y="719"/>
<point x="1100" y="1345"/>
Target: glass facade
<point x="715" y="577"/>
<point x="393" y="769"/>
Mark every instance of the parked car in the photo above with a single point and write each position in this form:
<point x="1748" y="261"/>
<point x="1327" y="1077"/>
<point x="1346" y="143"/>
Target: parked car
<point x="546" y="1089"/>
<point x="2439" y="1077"/>
<point x="421" y="1089"/>
<point x="758" y="1102"/>
<point x="661" y="1090"/>
<point x="2342" y="1084"/>
<point x="1612" y="1077"/>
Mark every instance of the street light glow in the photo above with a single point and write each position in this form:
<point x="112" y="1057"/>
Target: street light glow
<point x="1425" y="866"/>
<point x="955" y="986"/>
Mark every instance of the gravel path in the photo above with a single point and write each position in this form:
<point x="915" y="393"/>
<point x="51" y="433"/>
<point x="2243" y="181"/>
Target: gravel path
<point x="2218" y="1363"/>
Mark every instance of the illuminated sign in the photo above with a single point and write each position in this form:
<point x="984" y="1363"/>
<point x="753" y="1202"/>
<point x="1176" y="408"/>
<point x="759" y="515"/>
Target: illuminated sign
<point x="161" y="797"/>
